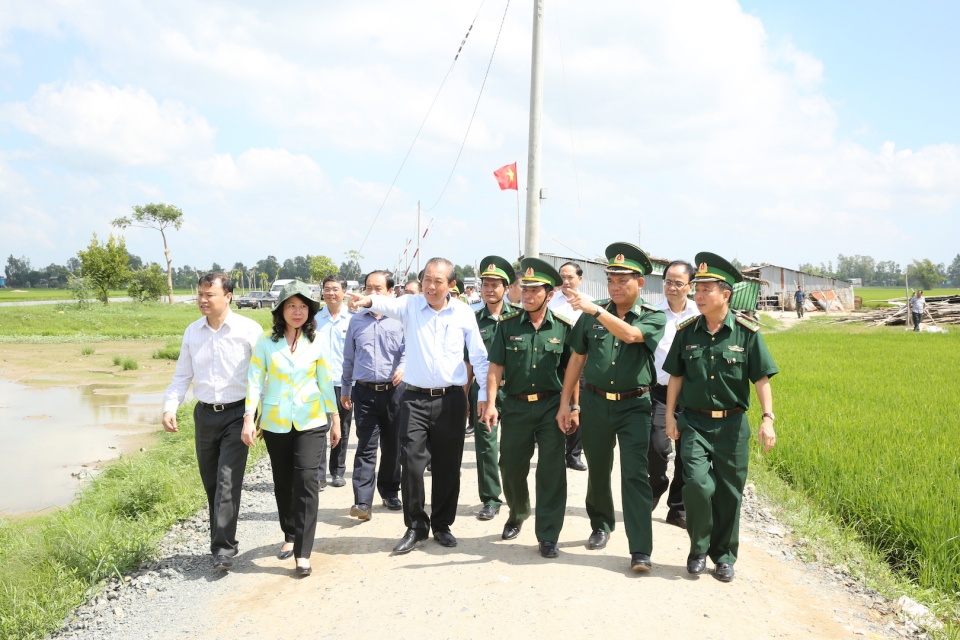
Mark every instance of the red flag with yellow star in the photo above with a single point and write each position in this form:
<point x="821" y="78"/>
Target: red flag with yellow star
<point x="507" y="177"/>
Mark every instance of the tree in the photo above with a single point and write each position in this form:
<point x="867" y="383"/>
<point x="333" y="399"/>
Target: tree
<point x="157" y="216"/>
<point x="148" y="283"/>
<point x="18" y="271"/>
<point x="350" y="270"/>
<point x="888" y="274"/>
<point x="953" y="271"/>
<point x="321" y="267"/>
<point x="104" y="266"/>
<point x="269" y="268"/>
<point x="923" y="274"/>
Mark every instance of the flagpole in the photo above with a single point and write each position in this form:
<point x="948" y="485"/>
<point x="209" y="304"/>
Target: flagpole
<point x="533" y="147"/>
<point x="519" y="232"/>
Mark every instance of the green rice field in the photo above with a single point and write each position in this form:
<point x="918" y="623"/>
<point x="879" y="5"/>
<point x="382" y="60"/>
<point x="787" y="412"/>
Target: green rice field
<point x="867" y="427"/>
<point x="878" y="296"/>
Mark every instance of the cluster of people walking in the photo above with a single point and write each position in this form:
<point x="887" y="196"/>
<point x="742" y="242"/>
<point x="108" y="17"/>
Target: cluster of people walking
<point x="536" y="367"/>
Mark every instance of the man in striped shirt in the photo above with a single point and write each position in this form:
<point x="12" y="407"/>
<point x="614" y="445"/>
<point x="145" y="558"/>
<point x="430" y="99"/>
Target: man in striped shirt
<point x="215" y="355"/>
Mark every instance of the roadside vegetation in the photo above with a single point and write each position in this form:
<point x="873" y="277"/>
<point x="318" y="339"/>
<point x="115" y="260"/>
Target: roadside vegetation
<point x="12" y="294"/>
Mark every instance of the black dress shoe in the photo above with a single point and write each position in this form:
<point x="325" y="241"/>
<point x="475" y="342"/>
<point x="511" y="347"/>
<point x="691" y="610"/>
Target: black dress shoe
<point x="393" y="504"/>
<point x="488" y="512"/>
<point x="511" y="530"/>
<point x="445" y="538"/>
<point x="361" y="511"/>
<point x="677" y="519"/>
<point x="304" y="571"/>
<point x="640" y="562"/>
<point x="576" y="464"/>
<point x="598" y="539"/>
<point x="222" y="563"/>
<point x="469" y="430"/>
<point x="723" y="572"/>
<point x="283" y="555"/>
<point x="697" y="564"/>
<point x="337" y="481"/>
<point x="549" y="549"/>
<point x="409" y="540"/>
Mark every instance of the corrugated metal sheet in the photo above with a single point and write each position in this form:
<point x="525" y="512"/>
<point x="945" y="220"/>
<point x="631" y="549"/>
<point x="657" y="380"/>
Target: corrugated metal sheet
<point x="781" y="282"/>
<point x="745" y="295"/>
<point x="595" y="278"/>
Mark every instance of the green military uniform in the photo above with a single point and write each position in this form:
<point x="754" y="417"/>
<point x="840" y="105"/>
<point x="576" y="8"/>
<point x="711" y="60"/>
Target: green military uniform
<point x="616" y="368"/>
<point x="485" y="444"/>
<point x="717" y="371"/>
<point x="533" y="359"/>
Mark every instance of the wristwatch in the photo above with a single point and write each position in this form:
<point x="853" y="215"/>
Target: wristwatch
<point x="574" y="407"/>
<point x="769" y="415"/>
<point x="599" y="311"/>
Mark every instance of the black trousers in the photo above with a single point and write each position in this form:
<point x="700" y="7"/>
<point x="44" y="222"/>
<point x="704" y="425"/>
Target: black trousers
<point x="658" y="456"/>
<point x="377" y="424"/>
<point x="431" y="430"/>
<point x="295" y="457"/>
<point x="338" y="454"/>
<point x="222" y="459"/>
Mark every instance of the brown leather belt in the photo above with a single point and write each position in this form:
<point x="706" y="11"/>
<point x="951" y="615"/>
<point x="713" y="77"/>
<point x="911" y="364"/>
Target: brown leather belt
<point x="722" y="413"/>
<point x="617" y="395"/>
<point x="533" y="397"/>
<point x="217" y="408"/>
<point x="437" y="392"/>
<point x="376" y="386"/>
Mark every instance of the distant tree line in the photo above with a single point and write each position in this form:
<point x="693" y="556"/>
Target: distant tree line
<point x="921" y="273"/>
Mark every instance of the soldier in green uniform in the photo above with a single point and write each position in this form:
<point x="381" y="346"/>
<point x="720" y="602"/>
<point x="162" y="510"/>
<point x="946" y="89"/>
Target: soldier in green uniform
<point x="494" y="278"/>
<point x="613" y="344"/>
<point x="711" y="363"/>
<point x="528" y="352"/>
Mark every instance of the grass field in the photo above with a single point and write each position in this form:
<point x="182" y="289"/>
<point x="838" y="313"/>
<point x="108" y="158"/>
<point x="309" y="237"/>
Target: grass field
<point x="14" y="294"/>
<point x="69" y="322"/>
<point x="867" y="427"/>
<point x="878" y="296"/>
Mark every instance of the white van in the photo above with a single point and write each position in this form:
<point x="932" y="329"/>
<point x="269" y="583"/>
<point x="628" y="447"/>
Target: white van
<point x="277" y="286"/>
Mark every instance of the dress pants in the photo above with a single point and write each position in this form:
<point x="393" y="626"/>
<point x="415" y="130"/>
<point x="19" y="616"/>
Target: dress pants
<point x="377" y="416"/>
<point x="338" y="454"/>
<point x="575" y="439"/>
<point x="295" y="457"/>
<point x="525" y="424"/>
<point x="431" y="430"/>
<point x="485" y="446"/>
<point x="606" y="423"/>
<point x="222" y="459"/>
<point x="716" y="454"/>
<point x="659" y="456"/>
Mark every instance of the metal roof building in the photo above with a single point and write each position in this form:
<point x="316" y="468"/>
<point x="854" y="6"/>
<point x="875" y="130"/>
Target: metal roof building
<point x="779" y="283"/>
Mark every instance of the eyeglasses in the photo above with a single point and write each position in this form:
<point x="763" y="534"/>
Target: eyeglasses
<point x="674" y="284"/>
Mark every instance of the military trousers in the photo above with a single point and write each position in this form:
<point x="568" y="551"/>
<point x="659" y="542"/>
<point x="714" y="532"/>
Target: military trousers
<point x="624" y="423"/>
<point x="715" y="454"/>
<point x="524" y="425"/>
<point x="485" y="447"/>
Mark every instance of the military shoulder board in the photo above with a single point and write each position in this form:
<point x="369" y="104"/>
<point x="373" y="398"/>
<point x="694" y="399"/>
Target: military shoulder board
<point x="748" y="324"/>
<point x="649" y="307"/>
<point x="686" y="323"/>
<point x="603" y="303"/>
<point x="563" y="319"/>
<point x="511" y="314"/>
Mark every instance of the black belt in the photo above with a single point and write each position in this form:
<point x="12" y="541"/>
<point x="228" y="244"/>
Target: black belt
<point x="376" y="386"/>
<point x="533" y="397"/>
<point x="437" y="392"/>
<point x="618" y="395"/>
<point x="217" y="408"/>
<point x="722" y="413"/>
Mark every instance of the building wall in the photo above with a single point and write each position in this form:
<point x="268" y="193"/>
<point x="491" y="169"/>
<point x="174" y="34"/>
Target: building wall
<point x="595" y="278"/>
<point x="782" y="282"/>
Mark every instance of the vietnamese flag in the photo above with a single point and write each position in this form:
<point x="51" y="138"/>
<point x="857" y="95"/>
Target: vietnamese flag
<point x="507" y="177"/>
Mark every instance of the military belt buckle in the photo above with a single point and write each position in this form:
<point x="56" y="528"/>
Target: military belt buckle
<point x="381" y="387"/>
<point x="436" y="393"/>
<point x="217" y="408"/>
<point x="612" y="396"/>
<point x="533" y="397"/>
<point x="718" y="414"/>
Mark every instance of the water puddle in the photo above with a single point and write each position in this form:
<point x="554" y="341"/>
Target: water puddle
<point x="51" y="433"/>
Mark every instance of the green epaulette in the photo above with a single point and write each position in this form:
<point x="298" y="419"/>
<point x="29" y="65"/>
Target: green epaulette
<point x="748" y="324"/>
<point x="565" y="320"/>
<point x="512" y="314"/>
<point x="686" y="323"/>
<point x="604" y="302"/>
<point x="649" y="307"/>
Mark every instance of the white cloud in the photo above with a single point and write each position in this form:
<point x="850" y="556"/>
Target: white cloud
<point x="125" y="126"/>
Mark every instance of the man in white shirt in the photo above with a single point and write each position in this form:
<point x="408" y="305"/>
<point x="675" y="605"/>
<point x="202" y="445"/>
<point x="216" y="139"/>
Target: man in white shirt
<point x="435" y="329"/>
<point x="215" y="355"/>
<point x="572" y="276"/>
<point x="676" y="287"/>
<point x="332" y="323"/>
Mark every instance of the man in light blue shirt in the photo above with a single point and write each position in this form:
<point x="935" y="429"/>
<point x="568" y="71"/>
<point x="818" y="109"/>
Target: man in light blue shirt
<point x="436" y="330"/>
<point x="332" y="322"/>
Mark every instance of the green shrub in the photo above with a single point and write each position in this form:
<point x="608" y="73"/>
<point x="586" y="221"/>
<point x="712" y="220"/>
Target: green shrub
<point x="117" y="361"/>
<point x="149" y="283"/>
<point x="169" y="352"/>
<point x="87" y="351"/>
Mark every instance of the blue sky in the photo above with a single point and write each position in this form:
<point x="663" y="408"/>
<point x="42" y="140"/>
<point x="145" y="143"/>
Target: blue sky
<point x="767" y="131"/>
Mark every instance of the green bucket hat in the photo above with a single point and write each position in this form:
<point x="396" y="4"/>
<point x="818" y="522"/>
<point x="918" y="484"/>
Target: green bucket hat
<point x="713" y="268"/>
<point x="296" y="288"/>
<point x="623" y="257"/>
<point x="496" y="267"/>
<point x="536" y="273"/>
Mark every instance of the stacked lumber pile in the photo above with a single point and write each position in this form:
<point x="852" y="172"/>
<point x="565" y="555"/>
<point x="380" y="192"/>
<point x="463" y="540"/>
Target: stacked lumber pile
<point x="940" y="310"/>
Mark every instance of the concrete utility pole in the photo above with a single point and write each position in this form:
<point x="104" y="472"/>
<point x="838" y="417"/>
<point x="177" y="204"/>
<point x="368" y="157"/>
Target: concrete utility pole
<point x="532" y="240"/>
